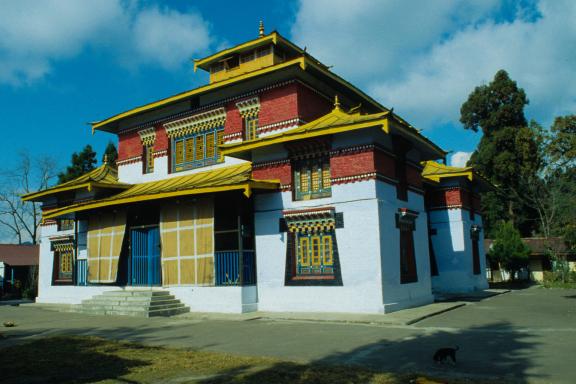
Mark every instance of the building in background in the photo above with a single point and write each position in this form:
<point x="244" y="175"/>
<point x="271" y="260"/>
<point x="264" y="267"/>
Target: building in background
<point x="18" y="269"/>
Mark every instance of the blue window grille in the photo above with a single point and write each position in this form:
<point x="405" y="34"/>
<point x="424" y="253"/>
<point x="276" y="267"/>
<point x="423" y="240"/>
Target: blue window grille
<point x="82" y="272"/>
<point x="197" y="150"/>
<point x="230" y="271"/>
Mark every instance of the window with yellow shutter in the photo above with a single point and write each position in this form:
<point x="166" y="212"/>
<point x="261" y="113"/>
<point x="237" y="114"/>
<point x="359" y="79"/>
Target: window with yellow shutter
<point x="196" y="150"/>
<point x="312" y="178"/>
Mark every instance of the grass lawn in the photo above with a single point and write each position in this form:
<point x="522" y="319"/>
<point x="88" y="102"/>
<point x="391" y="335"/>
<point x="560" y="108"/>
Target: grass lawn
<point x="66" y="359"/>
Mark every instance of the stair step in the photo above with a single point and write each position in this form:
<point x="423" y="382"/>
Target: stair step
<point x="145" y="303"/>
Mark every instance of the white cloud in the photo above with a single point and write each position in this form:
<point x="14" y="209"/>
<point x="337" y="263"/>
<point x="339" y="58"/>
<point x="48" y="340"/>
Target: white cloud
<point x="37" y="34"/>
<point x="459" y="159"/>
<point x="424" y="58"/>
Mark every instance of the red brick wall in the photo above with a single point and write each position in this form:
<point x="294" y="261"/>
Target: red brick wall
<point x="385" y="164"/>
<point x="162" y="142"/>
<point x="281" y="171"/>
<point x="278" y="104"/>
<point x="129" y="145"/>
<point x="233" y="122"/>
<point x="414" y="176"/>
<point x="311" y="105"/>
<point x="352" y="164"/>
<point x="447" y="197"/>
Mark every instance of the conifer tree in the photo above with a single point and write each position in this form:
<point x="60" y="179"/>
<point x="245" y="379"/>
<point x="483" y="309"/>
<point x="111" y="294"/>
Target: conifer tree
<point x="508" y="152"/>
<point x="110" y="154"/>
<point x="82" y="162"/>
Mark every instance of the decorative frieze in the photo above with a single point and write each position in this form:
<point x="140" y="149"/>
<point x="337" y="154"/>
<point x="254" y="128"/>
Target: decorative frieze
<point x="199" y="122"/>
<point x="249" y="107"/>
<point x="147" y="136"/>
<point x="130" y="160"/>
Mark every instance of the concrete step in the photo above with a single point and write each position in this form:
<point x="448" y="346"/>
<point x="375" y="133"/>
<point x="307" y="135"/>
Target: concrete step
<point x="114" y="301"/>
<point x="132" y="308"/>
<point x="136" y="293"/>
<point x="139" y="303"/>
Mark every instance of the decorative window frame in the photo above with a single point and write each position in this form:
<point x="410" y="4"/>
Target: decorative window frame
<point x="311" y="177"/>
<point x="188" y="131"/>
<point x="303" y="227"/>
<point x="63" y="249"/>
<point x="148" y="139"/>
<point x="406" y="223"/>
<point x="249" y="110"/>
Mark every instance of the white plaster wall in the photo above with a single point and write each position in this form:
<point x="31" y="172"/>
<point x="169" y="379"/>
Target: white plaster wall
<point x="358" y="249"/>
<point x="133" y="173"/>
<point x="218" y="299"/>
<point x="398" y="296"/>
<point x="453" y="249"/>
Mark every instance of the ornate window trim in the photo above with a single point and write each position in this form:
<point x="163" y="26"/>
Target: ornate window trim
<point x="147" y="136"/>
<point x="193" y="124"/>
<point x="312" y="250"/>
<point x="63" y="267"/>
<point x="249" y="110"/>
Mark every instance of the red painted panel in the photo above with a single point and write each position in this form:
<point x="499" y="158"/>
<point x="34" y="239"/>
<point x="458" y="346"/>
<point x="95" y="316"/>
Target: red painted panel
<point x="384" y="164"/>
<point x="311" y="105"/>
<point x="414" y="176"/>
<point x="233" y="122"/>
<point x="278" y="104"/>
<point x="162" y="141"/>
<point x="352" y="164"/>
<point x="129" y="145"/>
<point x="282" y="172"/>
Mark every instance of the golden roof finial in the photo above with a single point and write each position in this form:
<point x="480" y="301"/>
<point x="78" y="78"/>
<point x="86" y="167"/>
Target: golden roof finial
<point x="105" y="158"/>
<point x="261" y="29"/>
<point x="336" y="102"/>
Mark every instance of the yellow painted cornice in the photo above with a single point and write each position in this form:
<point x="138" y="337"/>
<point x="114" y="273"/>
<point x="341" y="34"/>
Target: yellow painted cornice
<point x="436" y="171"/>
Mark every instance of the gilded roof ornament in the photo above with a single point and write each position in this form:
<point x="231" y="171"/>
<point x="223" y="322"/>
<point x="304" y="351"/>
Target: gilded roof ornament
<point x="261" y="29"/>
<point x="336" y="102"/>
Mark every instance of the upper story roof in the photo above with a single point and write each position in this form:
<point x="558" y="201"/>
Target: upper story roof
<point x="295" y="62"/>
<point x="103" y="177"/>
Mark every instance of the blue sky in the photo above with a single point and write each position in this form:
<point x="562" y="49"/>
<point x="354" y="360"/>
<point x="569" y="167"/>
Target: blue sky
<point x="64" y="63"/>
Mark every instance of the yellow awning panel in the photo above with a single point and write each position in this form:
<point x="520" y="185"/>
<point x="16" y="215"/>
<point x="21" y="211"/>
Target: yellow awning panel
<point x="435" y="171"/>
<point x="238" y="177"/>
<point x="102" y="177"/>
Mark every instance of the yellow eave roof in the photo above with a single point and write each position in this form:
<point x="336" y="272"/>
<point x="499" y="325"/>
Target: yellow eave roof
<point x="435" y="171"/>
<point x="101" y="177"/>
<point x="223" y="179"/>
<point x="336" y="121"/>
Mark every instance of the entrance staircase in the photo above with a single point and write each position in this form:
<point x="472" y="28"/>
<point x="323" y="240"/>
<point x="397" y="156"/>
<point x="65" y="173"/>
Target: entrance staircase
<point x="145" y="303"/>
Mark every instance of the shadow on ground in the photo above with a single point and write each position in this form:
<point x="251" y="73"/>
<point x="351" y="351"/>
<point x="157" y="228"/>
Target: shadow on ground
<point x="492" y="353"/>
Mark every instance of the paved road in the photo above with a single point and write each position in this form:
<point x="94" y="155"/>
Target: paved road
<point x="528" y="336"/>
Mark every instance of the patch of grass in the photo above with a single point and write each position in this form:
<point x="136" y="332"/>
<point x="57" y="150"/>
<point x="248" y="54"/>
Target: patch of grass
<point x="68" y="359"/>
<point x="558" y="284"/>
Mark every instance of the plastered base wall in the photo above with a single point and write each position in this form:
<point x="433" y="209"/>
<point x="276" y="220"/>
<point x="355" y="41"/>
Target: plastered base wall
<point x="398" y="296"/>
<point x="358" y="249"/>
<point x="453" y="249"/>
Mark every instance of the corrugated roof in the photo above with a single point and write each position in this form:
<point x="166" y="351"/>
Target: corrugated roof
<point x="237" y="177"/>
<point x="19" y="255"/>
<point x="104" y="176"/>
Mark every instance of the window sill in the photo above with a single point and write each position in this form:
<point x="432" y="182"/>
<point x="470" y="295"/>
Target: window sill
<point x="314" y="277"/>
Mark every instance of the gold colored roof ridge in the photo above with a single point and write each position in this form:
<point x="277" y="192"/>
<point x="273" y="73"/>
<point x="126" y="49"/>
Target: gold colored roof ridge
<point x="222" y="179"/>
<point x="103" y="176"/>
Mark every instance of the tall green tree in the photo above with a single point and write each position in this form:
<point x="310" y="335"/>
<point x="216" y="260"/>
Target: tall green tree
<point x="508" y="249"/>
<point x="508" y="153"/>
<point x="110" y="154"/>
<point x="82" y="162"/>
